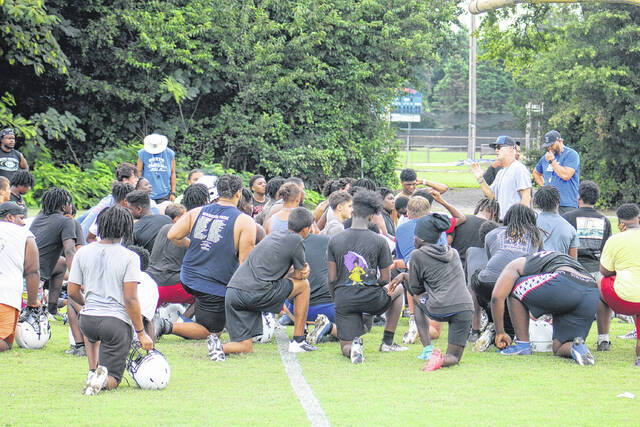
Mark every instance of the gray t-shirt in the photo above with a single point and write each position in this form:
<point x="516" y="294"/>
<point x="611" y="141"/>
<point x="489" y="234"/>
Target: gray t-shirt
<point x="509" y="181"/>
<point x="557" y="234"/>
<point x="269" y="261"/>
<point x="502" y="250"/>
<point x="101" y="269"/>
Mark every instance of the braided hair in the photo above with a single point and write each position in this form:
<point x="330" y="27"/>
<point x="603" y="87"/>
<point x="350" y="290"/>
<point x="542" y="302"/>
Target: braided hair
<point x="24" y="178"/>
<point x="490" y="206"/>
<point x="194" y="196"/>
<point x="521" y="225"/>
<point x="115" y="223"/>
<point x="54" y="200"/>
<point x="228" y="185"/>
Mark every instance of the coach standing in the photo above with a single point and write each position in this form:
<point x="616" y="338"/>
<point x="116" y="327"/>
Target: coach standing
<point x="559" y="167"/>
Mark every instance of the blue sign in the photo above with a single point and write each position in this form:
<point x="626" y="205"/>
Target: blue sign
<point x="409" y="103"/>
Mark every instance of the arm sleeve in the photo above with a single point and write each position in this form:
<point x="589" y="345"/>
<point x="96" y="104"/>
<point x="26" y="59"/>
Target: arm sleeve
<point x="607" y="257"/>
<point x="384" y="254"/>
<point x="415" y="287"/>
<point x="523" y="179"/>
<point x="575" y="241"/>
<point x="297" y="258"/>
<point x="572" y="160"/>
<point x="75" y="274"/>
<point x="539" y="167"/>
<point x="132" y="273"/>
<point x="68" y="229"/>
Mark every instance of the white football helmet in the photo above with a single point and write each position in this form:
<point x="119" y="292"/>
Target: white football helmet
<point x="268" y="328"/>
<point x="33" y="330"/>
<point x="150" y="371"/>
<point x="540" y="335"/>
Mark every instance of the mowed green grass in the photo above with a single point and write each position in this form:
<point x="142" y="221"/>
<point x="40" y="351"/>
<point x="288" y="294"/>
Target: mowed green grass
<point x="43" y="387"/>
<point x="428" y="168"/>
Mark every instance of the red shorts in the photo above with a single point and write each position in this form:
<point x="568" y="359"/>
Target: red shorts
<point x="616" y="303"/>
<point x="8" y="322"/>
<point x="174" y="294"/>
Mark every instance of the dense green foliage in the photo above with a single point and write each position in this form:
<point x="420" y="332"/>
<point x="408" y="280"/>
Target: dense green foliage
<point x="583" y="64"/>
<point x="290" y="87"/>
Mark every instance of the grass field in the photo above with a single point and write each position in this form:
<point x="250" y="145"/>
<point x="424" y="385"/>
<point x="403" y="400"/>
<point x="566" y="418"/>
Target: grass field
<point x="43" y="387"/>
<point x="429" y="166"/>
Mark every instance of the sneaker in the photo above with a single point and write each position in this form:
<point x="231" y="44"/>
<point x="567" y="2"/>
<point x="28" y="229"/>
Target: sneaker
<point x="473" y="336"/>
<point x="580" y="352"/>
<point x="58" y="317"/>
<point x="631" y="335"/>
<point x="603" y="346"/>
<point x="321" y="327"/>
<point x="387" y="348"/>
<point x="637" y="362"/>
<point x="300" y="347"/>
<point x="216" y="353"/>
<point x="484" y="319"/>
<point x="77" y="351"/>
<point x="517" y="348"/>
<point x="435" y="361"/>
<point x="485" y="339"/>
<point x="625" y="318"/>
<point x="411" y="335"/>
<point x="161" y="326"/>
<point x="406" y="313"/>
<point x="357" y="354"/>
<point x="285" y="320"/>
<point x="426" y="352"/>
<point x="96" y="381"/>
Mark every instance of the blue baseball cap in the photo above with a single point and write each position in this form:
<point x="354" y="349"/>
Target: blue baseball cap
<point x="550" y="138"/>
<point x="502" y="141"/>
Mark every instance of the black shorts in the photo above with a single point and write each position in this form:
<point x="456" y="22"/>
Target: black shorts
<point x="351" y="302"/>
<point x="459" y="324"/>
<point x="209" y="310"/>
<point x="572" y="302"/>
<point x="244" y="308"/>
<point x="115" y="341"/>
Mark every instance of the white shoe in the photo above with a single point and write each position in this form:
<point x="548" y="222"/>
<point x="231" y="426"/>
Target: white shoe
<point x="384" y="348"/>
<point x="300" y="347"/>
<point x="321" y="326"/>
<point x="357" y="354"/>
<point x="486" y="338"/>
<point x="216" y="354"/>
<point x="411" y="335"/>
<point x="96" y="381"/>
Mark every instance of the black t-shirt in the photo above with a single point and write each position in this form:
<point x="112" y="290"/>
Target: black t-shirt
<point x="466" y="236"/>
<point x="389" y="224"/>
<point x="9" y="163"/>
<point x="166" y="259"/>
<point x="315" y="250"/>
<point x="549" y="262"/>
<point x="270" y="261"/>
<point x="50" y="231"/>
<point x="593" y="230"/>
<point x="79" y="235"/>
<point x="358" y="255"/>
<point x="490" y="174"/>
<point x="258" y="206"/>
<point x="18" y="200"/>
<point x="146" y="229"/>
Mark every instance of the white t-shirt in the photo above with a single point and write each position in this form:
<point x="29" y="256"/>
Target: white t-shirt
<point x="507" y="185"/>
<point x="101" y="269"/>
<point x="147" y="296"/>
<point x="13" y="239"/>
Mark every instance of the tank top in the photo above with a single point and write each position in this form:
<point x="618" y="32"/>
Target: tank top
<point x="278" y="224"/>
<point x="211" y="258"/>
<point x="157" y="170"/>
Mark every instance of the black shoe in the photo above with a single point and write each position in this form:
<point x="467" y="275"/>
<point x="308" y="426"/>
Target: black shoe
<point x="161" y="327"/>
<point x="603" y="346"/>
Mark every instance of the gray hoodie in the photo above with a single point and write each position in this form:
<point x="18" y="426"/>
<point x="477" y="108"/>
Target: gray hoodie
<point x="437" y="272"/>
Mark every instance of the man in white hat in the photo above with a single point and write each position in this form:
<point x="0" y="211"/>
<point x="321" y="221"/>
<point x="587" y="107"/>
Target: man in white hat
<point x="157" y="164"/>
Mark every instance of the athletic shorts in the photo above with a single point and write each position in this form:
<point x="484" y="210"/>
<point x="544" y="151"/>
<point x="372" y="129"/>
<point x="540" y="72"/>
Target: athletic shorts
<point x="174" y="294"/>
<point x="115" y="341"/>
<point x="352" y="302"/>
<point x="571" y="301"/>
<point x="8" y="323"/>
<point x="314" y="310"/>
<point x="244" y="308"/>
<point x="616" y="303"/>
<point x="459" y="324"/>
<point x="209" y="310"/>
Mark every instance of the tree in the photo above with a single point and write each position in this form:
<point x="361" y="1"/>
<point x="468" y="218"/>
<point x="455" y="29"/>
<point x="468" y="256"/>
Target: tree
<point x="586" y="71"/>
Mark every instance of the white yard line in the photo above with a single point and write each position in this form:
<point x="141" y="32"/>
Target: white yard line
<point x="307" y="399"/>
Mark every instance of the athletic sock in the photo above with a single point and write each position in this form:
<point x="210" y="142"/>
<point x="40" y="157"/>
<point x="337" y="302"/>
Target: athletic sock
<point x="53" y="308"/>
<point x="79" y="345"/>
<point x="475" y="331"/>
<point x="387" y="337"/>
<point x="299" y="338"/>
<point x="603" y="337"/>
<point x="522" y="342"/>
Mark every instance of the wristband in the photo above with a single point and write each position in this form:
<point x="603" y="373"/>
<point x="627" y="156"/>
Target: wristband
<point x="173" y="193"/>
<point x="480" y="180"/>
<point x="141" y="330"/>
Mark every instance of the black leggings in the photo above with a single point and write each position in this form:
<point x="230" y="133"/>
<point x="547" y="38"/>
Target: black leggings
<point x="483" y="292"/>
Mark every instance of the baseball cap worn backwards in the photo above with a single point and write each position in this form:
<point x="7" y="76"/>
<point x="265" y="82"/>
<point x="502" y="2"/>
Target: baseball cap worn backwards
<point x="10" y="208"/>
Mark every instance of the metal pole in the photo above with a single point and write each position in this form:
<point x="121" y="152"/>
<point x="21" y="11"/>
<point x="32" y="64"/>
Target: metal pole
<point x="481" y="6"/>
<point x="408" y="144"/>
<point x="471" y="142"/>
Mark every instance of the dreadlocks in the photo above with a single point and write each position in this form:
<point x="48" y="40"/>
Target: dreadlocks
<point x="195" y="195"/>
<point x="24" y="178"/>
<point x="490" y="207"/>
<point x="521" y="224"/>
<point x="115" y="223"/>
<point x="54" y="200"/>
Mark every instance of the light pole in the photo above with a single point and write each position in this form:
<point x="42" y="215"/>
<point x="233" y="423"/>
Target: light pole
<point x="471" y="141"/>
